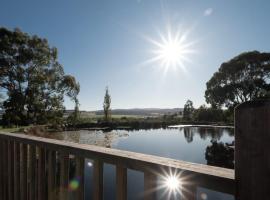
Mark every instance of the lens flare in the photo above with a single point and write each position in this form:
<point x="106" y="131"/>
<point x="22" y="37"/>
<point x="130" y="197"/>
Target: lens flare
<point x="172" y="50"/>
<point x="74" y="184"/>
<point x="173" y="182"/>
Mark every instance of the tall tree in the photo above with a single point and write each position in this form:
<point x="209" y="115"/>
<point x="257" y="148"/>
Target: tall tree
<point x="107" y="105"/>
<point x="243" y="78"/>
<point x="33" y="80"/>
<point x="188" y="110"/>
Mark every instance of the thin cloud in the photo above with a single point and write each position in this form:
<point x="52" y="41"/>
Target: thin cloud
<point x="208" y="12"/>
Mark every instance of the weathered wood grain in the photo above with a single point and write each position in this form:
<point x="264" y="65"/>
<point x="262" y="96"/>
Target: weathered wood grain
<point x="98" y="180"/>
<point x="121" y="182"/>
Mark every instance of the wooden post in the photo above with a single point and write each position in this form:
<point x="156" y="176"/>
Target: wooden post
<point x="32" y="172"/>
<point x="64" y="175"/>
<point x="51" y="175"/>
<point x="5" y="170"/>
<point x="41" y="174"/>
<point x="150" y="186"/>
<point x="23" y="172"/>
<point x="80" y="176"/>
<point x="10" y="170"/>
<point x="189" y="192"/>
<point x="17" y="170"/>
<point x="252" y="150"/>
<point x="1" y="170"/>
<point x="121" y="182"/>
<point x="98" y="180"/>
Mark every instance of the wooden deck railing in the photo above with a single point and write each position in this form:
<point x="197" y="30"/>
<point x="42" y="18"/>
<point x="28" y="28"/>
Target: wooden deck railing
<point x="28" y="170"/>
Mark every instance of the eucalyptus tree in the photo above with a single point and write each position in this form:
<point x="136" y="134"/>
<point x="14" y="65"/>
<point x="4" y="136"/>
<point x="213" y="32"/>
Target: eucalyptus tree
<point x="32" y="79"/>
<point x="107" y="105"/>
<point x="245" y="77"/>
<point x="188" y="110"/>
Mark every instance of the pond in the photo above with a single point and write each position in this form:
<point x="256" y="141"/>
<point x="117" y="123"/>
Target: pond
<point x="205" y="145"/>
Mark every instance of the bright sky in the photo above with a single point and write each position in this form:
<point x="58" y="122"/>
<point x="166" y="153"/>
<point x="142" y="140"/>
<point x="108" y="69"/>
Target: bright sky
<point x="112" y="42"/>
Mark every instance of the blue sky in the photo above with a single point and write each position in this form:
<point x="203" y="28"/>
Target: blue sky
<point x="103" y="42"/>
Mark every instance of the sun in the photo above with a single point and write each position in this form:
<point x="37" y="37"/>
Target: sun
<point x="173" y="183"/>
<point x="172" y="50"/>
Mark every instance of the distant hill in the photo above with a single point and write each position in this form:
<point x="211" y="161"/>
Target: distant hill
<point x="143" y="111"/>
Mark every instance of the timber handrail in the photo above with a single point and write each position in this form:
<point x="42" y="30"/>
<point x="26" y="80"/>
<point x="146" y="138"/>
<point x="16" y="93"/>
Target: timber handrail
<point x="37" y="179"/>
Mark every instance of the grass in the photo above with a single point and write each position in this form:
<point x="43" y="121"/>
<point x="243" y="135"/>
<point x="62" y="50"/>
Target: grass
<point x="13" y="129"/>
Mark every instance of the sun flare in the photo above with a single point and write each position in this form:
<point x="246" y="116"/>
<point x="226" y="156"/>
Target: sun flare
<point x="172" y="50"/>
<point x="173" y="183"/>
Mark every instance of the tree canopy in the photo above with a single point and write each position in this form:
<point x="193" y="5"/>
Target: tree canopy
<point x="32" y="79"/>
<point x="245" y="77"/>
<point x="188" y="110"/>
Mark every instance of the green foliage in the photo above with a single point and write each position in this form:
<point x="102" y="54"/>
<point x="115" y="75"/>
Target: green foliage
<point x="74" y="118"/>
<point x="243" y="78"/>
<point x="107" y="105"/>
<point x="33" y="80"/>
<point x="188" y="110"/>
<point x="204" y="114"/>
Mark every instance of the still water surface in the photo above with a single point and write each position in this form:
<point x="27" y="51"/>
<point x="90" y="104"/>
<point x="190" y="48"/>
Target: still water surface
<point x="188" y="144"/>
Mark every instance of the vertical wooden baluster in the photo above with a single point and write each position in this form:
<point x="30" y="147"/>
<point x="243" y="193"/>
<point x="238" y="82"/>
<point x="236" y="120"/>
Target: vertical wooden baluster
<point x="64" y="175"/>
<point x="80" y="176"/>
<point x="150" y="186"/>
<point x="10" y="162"/>
<point x="23" y="172"/>
<point x="41" y="173"/>
<point x="5" y="170"/>
<point x="121" y="182"/>
<point x="51" y="175"/>
<point x="1" y="169"/>
<point x="98" y="180"/>
<point x="32" y="172"/>
<point x="17" y="170"/>
<point x="189" y="192"/>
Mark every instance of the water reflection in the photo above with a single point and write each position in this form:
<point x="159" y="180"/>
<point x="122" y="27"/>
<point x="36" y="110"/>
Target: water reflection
<point x="220" y="154"/>
<point x="214" y="134"/>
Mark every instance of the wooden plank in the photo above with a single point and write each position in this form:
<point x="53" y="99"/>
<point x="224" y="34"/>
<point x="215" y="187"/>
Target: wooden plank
<point x="98" y="180"/>
<point x="121" y="182"/>
<point x="17" y="170"/>
<point x="150" y="186"/>
<point x="64" y="175"/>
<point x="23" y="172"/>
<point x="214" y="177"/>
<point x="51" y="175"/>
<point x="41" y="174"/>
<point x="79" y="175"/>
<point x="10" y="163"/>
<point x="32" y="172"/>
